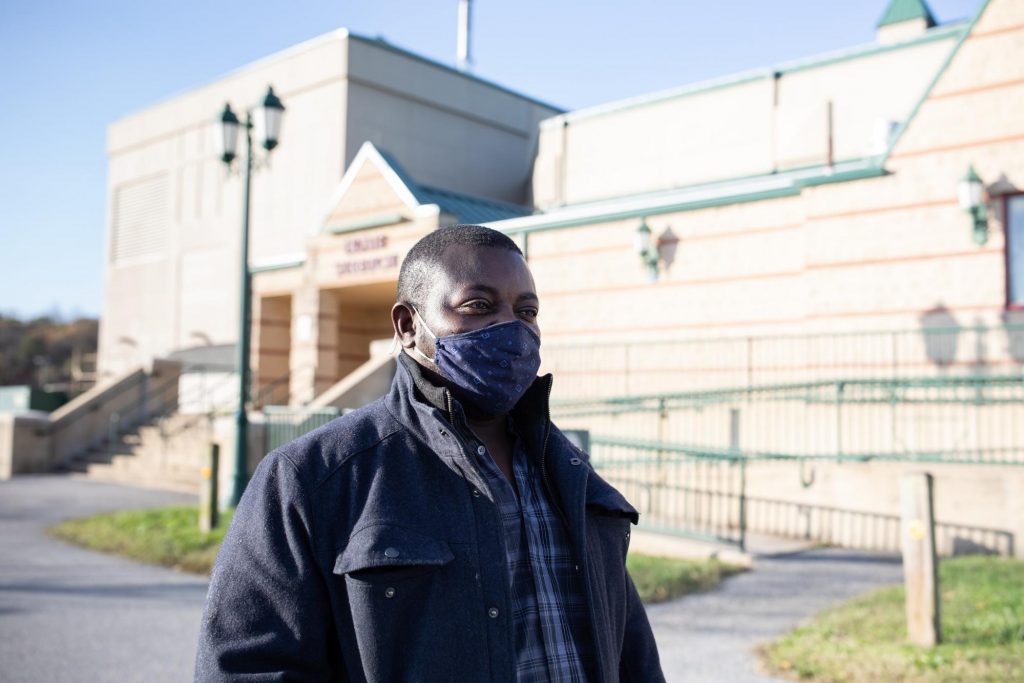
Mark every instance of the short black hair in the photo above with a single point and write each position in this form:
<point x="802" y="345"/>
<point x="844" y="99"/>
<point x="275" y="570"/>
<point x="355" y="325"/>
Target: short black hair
<point x="420" y="264"/>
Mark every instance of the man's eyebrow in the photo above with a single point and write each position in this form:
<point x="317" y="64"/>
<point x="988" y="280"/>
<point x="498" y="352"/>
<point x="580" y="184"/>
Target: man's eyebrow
<point x="483" y="288"/>
<point x="493" y="291"/>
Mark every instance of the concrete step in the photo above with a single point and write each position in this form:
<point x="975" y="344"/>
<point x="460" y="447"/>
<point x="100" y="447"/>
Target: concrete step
<point x="175" y="457"/>
<point x="167" y="453"/>
<point x="172" y="472"/>
<point x="149" y="482"/>
<point x="154" y="437"/>
<point x="73" y="467"/>
<point x="146" y="466"/>
<point x="131" y="468"/>
<point x="104" y="455"/>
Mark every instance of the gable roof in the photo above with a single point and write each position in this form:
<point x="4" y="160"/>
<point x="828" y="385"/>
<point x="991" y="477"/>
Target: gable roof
<point x="462" y="206"/>
<point x="469" y="208"/>
<point x="899" y="11"/>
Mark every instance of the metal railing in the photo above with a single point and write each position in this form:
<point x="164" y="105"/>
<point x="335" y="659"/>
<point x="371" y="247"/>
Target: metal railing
<point x="285" y="423"/>
<point x="961" y="419"/>
<point x="100" y="416"/>
<point x="700" y="496"/>
<point x="627" y="368"/>
<point x="834" y="525"/>
<point x="684" y="458"/>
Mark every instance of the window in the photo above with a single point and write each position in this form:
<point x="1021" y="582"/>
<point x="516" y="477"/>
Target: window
<point x="1015" y="251"/>
<point x="140" y="219"/>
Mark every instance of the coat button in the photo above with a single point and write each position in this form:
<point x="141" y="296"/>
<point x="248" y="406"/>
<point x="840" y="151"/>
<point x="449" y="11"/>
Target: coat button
<point x="389" y="592"/>
<point x="476" y="493"/>
<point x="575" y="461"/>
<point x="493" y="613"/>
<point x="391" y="552"/>
<point x="480" y="450"/>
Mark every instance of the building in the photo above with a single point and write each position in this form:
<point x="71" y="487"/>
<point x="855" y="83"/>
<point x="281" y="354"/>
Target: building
<point x="786" y="260"/>
<point x="817" y="196"/>
<point x="175" y="213"/>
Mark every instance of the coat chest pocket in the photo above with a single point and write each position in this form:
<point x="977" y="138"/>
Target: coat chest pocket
<point x="383" y="554"/>
<point x="403" y="589"/>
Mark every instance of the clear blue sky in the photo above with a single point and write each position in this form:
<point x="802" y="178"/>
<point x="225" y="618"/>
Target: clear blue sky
<point x="70" y="68"/>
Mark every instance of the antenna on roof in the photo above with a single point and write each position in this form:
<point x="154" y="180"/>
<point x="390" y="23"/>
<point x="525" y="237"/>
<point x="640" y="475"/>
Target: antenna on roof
<point x="465" y="20"/>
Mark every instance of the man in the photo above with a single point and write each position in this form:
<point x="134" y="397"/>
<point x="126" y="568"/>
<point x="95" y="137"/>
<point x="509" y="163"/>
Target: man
<point x="446" y="532"/>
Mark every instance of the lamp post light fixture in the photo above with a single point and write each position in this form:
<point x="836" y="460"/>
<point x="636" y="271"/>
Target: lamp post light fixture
<point x="646" y="250"/>
<point x="971" y="192"/>
<point x="267" y="118"/>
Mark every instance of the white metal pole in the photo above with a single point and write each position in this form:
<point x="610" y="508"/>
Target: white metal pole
<point x="465" y="21"/>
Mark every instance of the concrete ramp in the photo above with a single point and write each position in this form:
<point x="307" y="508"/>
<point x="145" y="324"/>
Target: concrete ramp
<point x="365" y="384"/>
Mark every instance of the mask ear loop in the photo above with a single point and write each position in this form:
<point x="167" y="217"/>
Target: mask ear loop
<point x="393" y="351"/>
<point x="429" y="331"/>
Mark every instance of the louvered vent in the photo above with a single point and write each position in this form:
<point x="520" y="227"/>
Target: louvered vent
<point x="140" y="219"/>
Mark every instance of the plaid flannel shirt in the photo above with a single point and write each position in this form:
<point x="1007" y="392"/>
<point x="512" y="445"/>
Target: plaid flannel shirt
<point x="549" y="612"/>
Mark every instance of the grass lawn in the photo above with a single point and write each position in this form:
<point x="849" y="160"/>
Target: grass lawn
<point x="982" y="610"/>
<point x="659" y="579"/>
<point x="164" y="536"/>
<point x="171" y="537"/>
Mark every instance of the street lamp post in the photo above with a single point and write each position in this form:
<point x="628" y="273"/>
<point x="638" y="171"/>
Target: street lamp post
<point x="268" y="114"/>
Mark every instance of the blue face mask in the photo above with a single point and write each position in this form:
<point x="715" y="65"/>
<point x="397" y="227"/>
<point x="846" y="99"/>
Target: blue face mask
<point x="491" y="367"/>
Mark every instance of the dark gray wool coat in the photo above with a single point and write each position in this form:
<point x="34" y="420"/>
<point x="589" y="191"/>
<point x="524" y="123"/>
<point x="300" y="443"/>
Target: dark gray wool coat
<point x="370" y="550"/>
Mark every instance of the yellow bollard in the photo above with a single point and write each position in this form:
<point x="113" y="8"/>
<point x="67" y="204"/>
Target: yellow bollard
<point x="208" y="509"/>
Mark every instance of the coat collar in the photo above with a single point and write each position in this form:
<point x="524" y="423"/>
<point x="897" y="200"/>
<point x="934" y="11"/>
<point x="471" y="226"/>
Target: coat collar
<point x="432" y="389"/>
<point x="419" y="398"/>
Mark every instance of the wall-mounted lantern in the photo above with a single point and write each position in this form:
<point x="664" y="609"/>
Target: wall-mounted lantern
<point x="646" y="250"/>
<point x="971" y="192"/>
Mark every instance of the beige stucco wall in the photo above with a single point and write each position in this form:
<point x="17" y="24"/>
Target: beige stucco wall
<point x="753" y="125"/>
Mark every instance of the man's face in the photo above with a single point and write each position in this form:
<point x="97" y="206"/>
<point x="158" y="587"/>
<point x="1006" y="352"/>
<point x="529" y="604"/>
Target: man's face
<point x="475" y="287"/>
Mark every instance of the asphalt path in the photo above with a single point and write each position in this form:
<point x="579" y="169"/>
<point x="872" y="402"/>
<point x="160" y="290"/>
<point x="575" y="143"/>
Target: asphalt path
<point x="714" y="636"/>
<point x="68" y="614"/>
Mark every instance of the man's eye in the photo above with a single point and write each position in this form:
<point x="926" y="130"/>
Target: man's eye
<point x="477" y="305"/>
<point x="529" y="312"/>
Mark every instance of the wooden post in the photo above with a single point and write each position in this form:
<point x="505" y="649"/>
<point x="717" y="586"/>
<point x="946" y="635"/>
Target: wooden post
<point x="920" y="568"/>
<point x="209" y="511"/>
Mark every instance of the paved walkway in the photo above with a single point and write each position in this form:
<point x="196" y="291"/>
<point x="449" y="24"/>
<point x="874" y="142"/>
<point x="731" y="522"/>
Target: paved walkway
<point x="67" y="614"/>
<point x="713" y="636"/>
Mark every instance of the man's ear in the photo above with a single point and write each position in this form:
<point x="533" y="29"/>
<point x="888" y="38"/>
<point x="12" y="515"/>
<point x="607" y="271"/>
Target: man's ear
<point x="402" y="321"/>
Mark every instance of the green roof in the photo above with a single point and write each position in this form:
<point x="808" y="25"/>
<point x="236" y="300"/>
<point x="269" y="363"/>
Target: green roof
<point x="906" y="10"/>
<point x="469" y="208"/>
<point x="465" y="207"/>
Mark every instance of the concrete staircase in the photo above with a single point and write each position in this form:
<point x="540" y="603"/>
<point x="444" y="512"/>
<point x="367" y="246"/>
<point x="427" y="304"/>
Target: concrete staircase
<point x="166" y="453"/>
